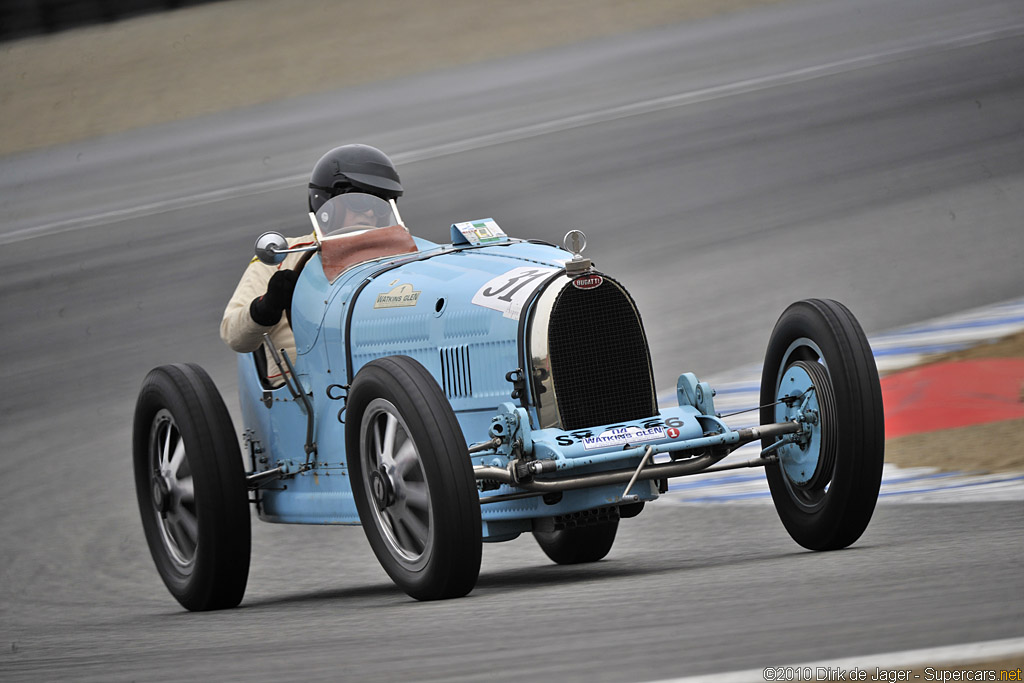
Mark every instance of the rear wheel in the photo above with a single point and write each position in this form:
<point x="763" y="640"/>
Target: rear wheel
<point x="412" y="480"/>
<point x="191" y="488"/>
<point x="819" y="369"/>
<point x="579" y="545"/>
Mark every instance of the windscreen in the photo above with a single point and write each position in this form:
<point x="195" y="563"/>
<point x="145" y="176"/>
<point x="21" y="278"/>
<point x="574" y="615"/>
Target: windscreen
<point x="353" y="212"/>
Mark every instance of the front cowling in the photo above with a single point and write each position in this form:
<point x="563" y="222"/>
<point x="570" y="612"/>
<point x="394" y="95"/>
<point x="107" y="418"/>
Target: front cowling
<point x="589" y="359"/>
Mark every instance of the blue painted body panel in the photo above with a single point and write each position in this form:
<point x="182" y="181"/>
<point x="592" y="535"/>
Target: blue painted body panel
<point x="419" y="305"/>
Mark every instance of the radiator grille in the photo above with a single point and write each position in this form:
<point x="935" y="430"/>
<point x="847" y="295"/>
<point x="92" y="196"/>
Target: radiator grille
<point x="600" y="363"/>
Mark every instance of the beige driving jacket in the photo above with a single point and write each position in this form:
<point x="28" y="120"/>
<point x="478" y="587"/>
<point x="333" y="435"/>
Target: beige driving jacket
<point x="237" y="328"/>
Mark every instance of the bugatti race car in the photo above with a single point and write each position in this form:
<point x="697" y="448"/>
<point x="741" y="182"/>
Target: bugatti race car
<point x="448" y="395"/>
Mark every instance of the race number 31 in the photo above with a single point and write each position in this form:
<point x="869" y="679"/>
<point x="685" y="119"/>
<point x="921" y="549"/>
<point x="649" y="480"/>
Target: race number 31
<point x="509" y="291"/>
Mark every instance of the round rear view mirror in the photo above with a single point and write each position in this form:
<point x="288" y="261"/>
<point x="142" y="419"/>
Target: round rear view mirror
<point x="268" y="248"/>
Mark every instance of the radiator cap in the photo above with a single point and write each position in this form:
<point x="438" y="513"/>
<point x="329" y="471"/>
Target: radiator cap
<point x="575" y="242"/>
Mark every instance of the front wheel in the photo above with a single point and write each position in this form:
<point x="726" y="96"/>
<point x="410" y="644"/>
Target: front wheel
<point x="191" y="488"/>
<point x="819" y="370"/>
<point x="412" y="479"/>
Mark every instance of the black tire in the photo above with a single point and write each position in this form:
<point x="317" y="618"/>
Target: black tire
<point x="579" y="545"/>
<point x="417" y="497"/>
<point x="828" y="504"/>
<point x="183" y="438"/>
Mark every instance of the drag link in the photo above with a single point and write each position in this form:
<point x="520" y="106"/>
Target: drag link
<point x="485" y="445"/>
<point x="787" y="400"/>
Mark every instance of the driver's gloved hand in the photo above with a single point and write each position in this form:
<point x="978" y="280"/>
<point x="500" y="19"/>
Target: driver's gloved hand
<point x="266" y="310"/>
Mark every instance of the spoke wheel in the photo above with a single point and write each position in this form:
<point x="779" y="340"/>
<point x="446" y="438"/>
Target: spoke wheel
<point x="819" y="370"/>
<point x="191" y="489"/>
<point x="412" y="480"/>
<point x="394" y="474"/>
<point x="174" y="501"/>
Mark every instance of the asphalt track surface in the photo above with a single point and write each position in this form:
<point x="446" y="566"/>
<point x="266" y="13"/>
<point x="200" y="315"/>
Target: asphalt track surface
<point x="867" y="151"/>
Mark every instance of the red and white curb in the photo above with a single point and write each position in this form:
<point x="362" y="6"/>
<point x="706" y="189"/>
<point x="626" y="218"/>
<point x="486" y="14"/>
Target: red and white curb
<point x="905" y="347"/>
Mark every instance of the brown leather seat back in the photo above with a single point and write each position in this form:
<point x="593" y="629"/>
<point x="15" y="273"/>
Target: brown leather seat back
<point x="340" y="253"/>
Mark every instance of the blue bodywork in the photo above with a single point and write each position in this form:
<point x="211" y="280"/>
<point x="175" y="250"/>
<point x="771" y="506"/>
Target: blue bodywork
<point x="422" y="305"/>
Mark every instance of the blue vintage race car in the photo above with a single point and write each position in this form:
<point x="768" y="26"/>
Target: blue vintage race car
<point x="448" y="395"/>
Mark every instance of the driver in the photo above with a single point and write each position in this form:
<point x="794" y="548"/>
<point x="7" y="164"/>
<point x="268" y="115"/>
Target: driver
<point x="265" y="292"/>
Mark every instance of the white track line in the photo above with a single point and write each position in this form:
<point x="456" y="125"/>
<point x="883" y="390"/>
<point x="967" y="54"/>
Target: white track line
<point x="561" y="124"/>
<point x="888" y="662"/>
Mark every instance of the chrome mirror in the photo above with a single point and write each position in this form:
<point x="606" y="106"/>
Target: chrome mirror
<point x="270" y="248"/>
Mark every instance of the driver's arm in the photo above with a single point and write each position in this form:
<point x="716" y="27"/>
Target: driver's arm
<point x="257" y="306"/>
<point x="239" y="328"/>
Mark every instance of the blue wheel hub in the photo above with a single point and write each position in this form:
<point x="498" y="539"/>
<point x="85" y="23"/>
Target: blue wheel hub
<point x="805" y="395"/>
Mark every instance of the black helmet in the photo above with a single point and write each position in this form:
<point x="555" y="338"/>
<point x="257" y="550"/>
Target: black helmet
<point x="353" y="168"/>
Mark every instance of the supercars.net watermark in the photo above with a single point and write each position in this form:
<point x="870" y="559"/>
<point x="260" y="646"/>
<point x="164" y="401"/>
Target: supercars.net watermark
<point x="835" y="673"/>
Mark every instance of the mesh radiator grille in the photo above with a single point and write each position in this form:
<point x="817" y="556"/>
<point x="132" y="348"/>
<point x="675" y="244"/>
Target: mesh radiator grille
<point x="600" y="363"/>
